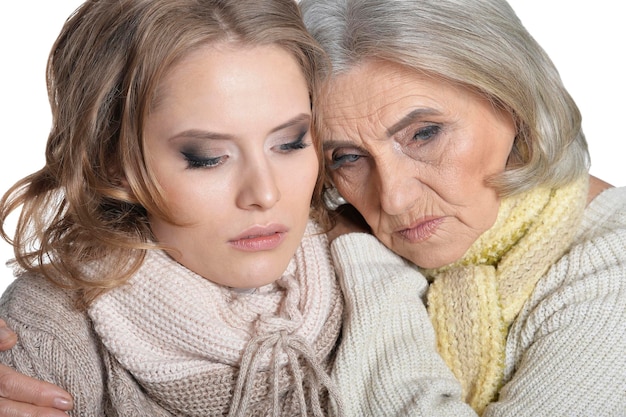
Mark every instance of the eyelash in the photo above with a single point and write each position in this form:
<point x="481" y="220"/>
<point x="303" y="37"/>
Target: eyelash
<point x="194" y="161"/>
<point x="296" y="144"/>
<point x="430" y="131"/>
<point x="339" y="161"/>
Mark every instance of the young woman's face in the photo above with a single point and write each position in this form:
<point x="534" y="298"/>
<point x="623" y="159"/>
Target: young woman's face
<point x="412" y="154"/>
<point x="229" y="142"/>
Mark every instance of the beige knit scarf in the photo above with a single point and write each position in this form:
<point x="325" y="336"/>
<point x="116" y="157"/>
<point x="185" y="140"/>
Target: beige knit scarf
<point x="200" y="349"/>
<point x="473" y="301"/>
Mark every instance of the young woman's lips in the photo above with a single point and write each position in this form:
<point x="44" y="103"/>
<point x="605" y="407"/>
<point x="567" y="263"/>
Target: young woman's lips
<point x="260" y="238"/>
<point x="421" y="231"/>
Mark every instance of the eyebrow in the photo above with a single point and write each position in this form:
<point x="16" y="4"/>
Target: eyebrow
<point x="411" y="117"/>
<point x="329" y="144"/>
<point x="299" y="119"/>
<point x="207" y="135"/>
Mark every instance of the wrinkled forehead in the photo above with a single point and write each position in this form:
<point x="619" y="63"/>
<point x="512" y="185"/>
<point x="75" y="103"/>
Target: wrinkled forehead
<point x="375" y="98"/>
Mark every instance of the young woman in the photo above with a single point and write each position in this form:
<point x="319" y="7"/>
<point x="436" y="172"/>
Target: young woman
<point x="166" y="263"/>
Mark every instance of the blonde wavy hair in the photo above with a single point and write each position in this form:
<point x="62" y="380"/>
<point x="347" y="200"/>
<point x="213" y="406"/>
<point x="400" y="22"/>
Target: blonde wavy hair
<point x="90" y="200"/>
<point x="479" y="44"/>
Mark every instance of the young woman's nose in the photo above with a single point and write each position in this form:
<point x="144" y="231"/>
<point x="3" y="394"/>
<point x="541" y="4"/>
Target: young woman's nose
<point x="258" y="187"/>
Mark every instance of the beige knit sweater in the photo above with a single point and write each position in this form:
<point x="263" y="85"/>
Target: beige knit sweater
<point x="565" y="351"/>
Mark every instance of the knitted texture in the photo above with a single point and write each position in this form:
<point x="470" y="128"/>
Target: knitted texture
<point x="200" y="349"/>
<point x="565" y="351"/>
<point x="385" y="364"/>
<point x="473" y="301"/>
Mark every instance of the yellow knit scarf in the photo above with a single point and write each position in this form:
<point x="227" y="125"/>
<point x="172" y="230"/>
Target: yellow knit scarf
<point x="473" y="301"/>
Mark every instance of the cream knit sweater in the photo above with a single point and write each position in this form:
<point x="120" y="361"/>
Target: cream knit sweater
<point x="565" y="352"/>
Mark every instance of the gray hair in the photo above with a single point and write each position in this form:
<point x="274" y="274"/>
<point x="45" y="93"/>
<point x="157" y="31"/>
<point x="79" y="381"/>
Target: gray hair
<point x="480" y="44"/>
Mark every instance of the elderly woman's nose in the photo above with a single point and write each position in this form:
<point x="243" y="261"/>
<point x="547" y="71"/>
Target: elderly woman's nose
<point x="398" y="188"/>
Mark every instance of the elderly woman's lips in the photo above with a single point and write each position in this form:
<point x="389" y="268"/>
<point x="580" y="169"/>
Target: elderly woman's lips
<point x="421" y="231"/>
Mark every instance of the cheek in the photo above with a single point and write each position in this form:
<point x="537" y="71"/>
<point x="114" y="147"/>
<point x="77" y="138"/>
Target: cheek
<point x="473" y="161"/>
<point x="496" y="139"/>
<point x="364" y="199"/>
<point x="353" y="181"/>
<point x="300" y="179"/>
<point x="313" y="171"/>
<point x="197" y="198"/>
<point x="352" y="189"/>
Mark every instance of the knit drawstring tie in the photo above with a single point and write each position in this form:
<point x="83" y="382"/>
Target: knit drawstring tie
<point x="292" y="346"/>
<point x="276" y="334"/>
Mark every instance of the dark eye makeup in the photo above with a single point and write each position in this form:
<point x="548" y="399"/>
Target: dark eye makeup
<point x="194" y="160"/>
<point x="196" y="157"/>
<point x="297" y="144"/>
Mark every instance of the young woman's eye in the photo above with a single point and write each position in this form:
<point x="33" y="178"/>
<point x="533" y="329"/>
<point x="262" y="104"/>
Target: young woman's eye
<point x="195" y="161"/>
<point x="339" y="160"/>
<point x="299" y="143"/>
<point x="426" y="133"/>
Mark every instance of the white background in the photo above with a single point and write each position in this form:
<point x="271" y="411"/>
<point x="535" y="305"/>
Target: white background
<point x="585" y="40"/>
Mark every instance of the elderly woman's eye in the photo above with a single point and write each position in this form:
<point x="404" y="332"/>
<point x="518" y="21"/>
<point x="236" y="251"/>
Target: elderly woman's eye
<point x="338" y="160"/>
<point x="426" y="133"/>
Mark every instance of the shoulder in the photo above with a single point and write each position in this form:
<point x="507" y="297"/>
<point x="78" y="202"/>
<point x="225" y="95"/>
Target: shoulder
<point x="595" y="265"/>
<point x="587" y="286"/>
<point x="56" y="341"/>
<point x="583" y="295"/>
<point x="45" y="315"/>
<point x="576" y="315"/>
<point x="605" y="213"/>
<point x="33" y="298"/>
<point x="603" y="227"/>
<point x="600" y="243"/>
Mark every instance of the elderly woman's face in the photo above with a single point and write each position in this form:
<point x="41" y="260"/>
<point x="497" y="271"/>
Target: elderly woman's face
<point x="412" y="154"/>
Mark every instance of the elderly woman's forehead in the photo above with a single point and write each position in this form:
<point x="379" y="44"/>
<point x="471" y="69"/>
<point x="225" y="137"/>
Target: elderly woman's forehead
<point x="376" y="89"/>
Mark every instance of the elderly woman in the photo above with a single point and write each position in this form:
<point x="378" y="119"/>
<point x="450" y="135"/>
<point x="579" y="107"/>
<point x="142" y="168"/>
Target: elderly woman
<point x="448" y="128"/>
